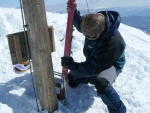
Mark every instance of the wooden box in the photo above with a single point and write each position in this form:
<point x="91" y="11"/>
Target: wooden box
<point x="18" y="45"/>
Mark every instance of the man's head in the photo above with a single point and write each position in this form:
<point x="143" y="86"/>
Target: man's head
<point x="92" y="24"/>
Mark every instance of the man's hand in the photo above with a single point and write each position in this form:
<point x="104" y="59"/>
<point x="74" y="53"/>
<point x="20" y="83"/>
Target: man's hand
<point x="66" y="62"/>
<point x="69" y="6"/>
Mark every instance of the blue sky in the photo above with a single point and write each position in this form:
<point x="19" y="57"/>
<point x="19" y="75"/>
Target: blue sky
<point x="16" y="3"/>
<point x="105" y="3"/>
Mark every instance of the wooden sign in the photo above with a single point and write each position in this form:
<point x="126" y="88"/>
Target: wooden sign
<point x="17" y="45"/>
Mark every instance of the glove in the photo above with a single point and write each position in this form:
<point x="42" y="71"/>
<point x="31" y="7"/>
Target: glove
<point x="66" y="62"/>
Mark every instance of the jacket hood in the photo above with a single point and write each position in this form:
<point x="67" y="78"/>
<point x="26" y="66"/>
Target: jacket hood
<point x="112" y="21"/>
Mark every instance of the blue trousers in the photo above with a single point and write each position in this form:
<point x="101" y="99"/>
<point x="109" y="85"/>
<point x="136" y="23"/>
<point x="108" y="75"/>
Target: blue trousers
<point x="112" y="100"/>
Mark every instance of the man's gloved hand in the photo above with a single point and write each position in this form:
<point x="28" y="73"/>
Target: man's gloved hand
<point x="66" y="62"/>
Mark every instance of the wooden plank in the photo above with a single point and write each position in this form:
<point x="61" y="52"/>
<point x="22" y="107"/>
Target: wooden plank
<point x="12" y="49"/>
<point x="51" y="37"/>
<point x="17" y="48"/>
<point x="23" y="45"/>
<point x="39" y="43"/>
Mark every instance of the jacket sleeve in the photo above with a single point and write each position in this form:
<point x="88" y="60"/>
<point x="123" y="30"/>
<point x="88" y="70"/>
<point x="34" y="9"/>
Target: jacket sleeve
<point x="85" y="68"/>
<point x="103" y="58"/>
<point x="77" y="20"/>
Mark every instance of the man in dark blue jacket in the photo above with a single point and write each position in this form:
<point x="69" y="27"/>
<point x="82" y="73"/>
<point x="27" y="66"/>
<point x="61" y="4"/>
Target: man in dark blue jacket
<point x="104" y="51"/>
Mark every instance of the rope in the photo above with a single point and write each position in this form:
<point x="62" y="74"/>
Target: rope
<point x="87" y="6"/>
<point x="24" y="26"/>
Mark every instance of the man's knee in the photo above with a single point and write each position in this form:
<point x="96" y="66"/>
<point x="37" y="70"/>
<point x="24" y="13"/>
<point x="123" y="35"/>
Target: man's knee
<point x="101" y="84"/>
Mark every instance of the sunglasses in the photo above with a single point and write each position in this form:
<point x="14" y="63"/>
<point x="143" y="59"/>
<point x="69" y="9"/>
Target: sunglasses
<point x="96" y="36"/>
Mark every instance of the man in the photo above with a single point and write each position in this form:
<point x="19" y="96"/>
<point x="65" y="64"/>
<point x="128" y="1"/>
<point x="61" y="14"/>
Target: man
<point x="104" y="52"/>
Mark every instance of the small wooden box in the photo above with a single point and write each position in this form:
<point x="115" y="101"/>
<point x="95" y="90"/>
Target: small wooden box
<point x="17" y="45"/>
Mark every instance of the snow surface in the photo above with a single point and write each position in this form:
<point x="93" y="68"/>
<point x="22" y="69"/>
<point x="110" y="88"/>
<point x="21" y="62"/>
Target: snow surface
<point x="16" y="91"/>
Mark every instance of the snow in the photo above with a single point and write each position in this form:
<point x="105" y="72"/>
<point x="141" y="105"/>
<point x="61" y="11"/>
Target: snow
<point x="16" y="90"/>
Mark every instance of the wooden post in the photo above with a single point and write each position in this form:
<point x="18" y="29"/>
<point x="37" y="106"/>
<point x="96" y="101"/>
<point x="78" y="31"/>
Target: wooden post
<point x="35" y="15"/>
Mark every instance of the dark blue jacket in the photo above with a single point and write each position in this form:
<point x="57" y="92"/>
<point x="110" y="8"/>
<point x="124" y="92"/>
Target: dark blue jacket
<point x="104" y="52"/>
